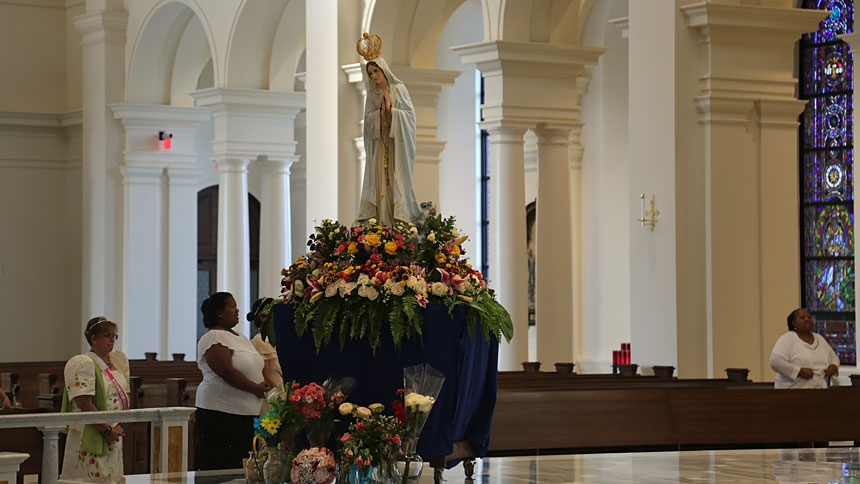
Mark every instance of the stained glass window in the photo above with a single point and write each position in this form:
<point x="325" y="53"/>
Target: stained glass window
<point x="827" y="177"/>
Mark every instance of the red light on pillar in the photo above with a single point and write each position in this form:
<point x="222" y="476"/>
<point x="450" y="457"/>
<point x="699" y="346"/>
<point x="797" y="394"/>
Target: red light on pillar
<point x="165" y="139"/>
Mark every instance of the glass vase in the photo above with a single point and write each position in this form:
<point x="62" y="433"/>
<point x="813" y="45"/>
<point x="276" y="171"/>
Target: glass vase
<point x="410" y="464"/>
<point x="317" y="434"/>
<point x="274" y="469"/>
<point x="357" y="475"/>
<point x="386" y="473"/>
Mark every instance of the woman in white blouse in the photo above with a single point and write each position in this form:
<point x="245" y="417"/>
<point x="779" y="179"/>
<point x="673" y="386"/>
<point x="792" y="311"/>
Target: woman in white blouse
<point x="801" y="358"/>
<point x="96" y="380"/>
<point x="230" y="395"/>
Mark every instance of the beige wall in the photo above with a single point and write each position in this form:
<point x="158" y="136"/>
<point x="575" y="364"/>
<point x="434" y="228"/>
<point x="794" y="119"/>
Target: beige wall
<point x="33" y="60"/>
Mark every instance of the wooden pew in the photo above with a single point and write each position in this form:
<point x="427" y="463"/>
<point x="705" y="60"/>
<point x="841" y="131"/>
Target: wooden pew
<point x="600" y="418"/>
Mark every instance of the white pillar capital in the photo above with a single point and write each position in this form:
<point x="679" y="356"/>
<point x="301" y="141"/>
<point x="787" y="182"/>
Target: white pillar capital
<point x="511" y="69"/>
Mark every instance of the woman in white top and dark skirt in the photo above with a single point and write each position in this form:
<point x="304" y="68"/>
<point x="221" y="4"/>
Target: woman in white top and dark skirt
<point x="802" y="358"/>
<point x="230" y="395"/>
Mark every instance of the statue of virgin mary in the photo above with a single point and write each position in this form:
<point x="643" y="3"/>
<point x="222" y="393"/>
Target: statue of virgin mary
<point x="387" y="192"/>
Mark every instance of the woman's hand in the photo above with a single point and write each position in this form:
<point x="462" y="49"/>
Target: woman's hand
<point x="386" y="101"/>
<point x="831" y="370"/>
<point x="262" y="388"/>
<point x="805" y="373"/>
<point x="116" y="433"/>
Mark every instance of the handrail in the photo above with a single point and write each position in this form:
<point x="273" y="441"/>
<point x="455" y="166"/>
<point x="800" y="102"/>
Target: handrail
<point x="165" y="421"/>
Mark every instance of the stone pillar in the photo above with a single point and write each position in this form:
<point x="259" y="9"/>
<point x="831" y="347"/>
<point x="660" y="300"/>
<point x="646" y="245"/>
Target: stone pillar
<point x="142" y="259"/>
<point x="553" y="308"/>
<point x="234" y="246"/>
<point x="250" y="124"/>
<point x="355" y="76"/>
<point x="275" y="245"/>
<point x="424" y="86"/>
<point x="511" y="70"/>
<point x="51" y="452"/>
<point x="321" y="57"/>
<point x="748" y="113"/>
<point x="103" y="63"/>
<point x="509" y="260"/>
<point x="180" y="283"/>
<point x="159" y="236"/>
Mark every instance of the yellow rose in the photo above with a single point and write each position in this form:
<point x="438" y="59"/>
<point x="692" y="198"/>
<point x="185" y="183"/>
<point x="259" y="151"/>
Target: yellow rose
<point x="353" y="248"/>
<point x="372" y="240"/>
<point x="391" y="247"/>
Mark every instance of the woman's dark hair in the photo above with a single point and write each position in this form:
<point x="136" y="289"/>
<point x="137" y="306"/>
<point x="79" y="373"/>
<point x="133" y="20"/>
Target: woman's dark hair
<point x="210" y="307"/>
<point x="792" y="317"/>
<point x="373" y="63"/>
<point x="256" y="309"/>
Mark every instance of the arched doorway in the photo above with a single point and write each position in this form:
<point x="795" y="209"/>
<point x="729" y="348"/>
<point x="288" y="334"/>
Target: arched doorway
<point x="207" y="247"/>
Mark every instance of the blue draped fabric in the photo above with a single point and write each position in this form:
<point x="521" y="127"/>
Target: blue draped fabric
<point x="464" y="410"/>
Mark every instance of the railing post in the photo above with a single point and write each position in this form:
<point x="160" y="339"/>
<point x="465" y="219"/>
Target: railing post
<point x="51" y="452"/>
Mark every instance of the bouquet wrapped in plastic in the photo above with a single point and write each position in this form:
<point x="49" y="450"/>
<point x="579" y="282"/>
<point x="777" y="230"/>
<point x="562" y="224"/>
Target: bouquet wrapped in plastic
<point x="421" y="386"/>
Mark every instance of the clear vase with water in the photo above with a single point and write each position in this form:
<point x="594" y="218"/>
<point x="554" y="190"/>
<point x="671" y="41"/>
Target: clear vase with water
<point x="410" y="464"/>
<point x="275" y="469"/>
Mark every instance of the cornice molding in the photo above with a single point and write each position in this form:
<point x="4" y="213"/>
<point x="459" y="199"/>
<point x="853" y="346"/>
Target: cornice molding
<point x="741" y="23"/>
<point x="530" y="59"/>
<point x="251" y="101"/>
<point x="102" y="26"/>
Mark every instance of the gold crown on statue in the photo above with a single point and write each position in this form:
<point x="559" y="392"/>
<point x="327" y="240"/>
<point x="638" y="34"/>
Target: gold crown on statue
<point x="369" y="46"/>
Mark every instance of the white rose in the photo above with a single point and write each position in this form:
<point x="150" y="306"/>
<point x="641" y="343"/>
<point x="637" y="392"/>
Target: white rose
<point x="363" y="279"/>
<point x="298" y="287"/>
<point x="431" y="236"/>
<point x="425" y="404"/>
<point x="331" y="289"/>
<point x="363" y="412"/>
<point x="439" y="289"/>
<point x="376" y="407"/>
<point x="410" y="283"/>
<point x="346" y="288"/>
<point x="346" y="408"/>
<point x="371" y="293"/>
<point x="420" y="287"/>
<point x="397" y="289"/>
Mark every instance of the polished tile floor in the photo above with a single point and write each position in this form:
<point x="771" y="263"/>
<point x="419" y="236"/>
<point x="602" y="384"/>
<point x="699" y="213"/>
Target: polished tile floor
<point x="783" y="466"/>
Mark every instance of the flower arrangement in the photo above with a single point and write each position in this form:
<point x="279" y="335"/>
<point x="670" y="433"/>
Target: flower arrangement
<point x="373" y="438"/>
<point x="367" y="275"/>
<point x="315" y="465"/>
<point x="281" y="421"/>
<point x="318" y="406"/>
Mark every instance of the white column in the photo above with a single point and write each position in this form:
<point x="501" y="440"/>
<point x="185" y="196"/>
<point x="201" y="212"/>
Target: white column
<point x="424" y="87"/>
<point x="275" y="246"/>
<point x="509" y="263"/>
<point x="355" y="76"/>
<point x="321" y="57"/>
<point x="103" y="61"/>
<point x="142" y="256"/>
<point x="234" y="253"/>
<point x="159" y="231"/>
<point x="553" y="308"/>
<point x="180" y="285"/>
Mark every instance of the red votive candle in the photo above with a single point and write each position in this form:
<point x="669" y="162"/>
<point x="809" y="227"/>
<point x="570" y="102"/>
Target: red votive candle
<point x="625" y="357"/>
<point x="616" y="357"/>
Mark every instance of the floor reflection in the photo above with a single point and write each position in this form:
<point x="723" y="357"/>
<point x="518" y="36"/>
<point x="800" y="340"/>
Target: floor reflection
<point x="782" y="466"/>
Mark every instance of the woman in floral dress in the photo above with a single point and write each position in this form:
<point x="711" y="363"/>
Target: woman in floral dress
<point x="97" y="380"/>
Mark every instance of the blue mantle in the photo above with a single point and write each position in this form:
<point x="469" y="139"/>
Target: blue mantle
<point x="464" y="410"/>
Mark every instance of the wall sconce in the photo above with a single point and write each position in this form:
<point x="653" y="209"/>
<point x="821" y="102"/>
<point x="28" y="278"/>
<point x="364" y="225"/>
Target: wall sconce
<point x="649" y="217"/>
<point x="165" y="140"/>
